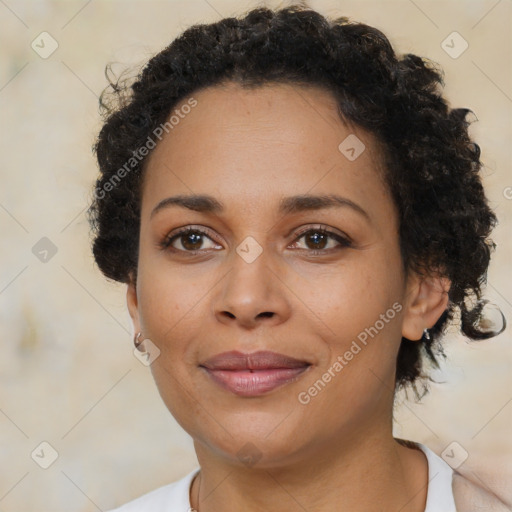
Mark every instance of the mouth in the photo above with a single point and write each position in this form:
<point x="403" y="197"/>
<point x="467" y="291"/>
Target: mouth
<point x="254" y="374"/>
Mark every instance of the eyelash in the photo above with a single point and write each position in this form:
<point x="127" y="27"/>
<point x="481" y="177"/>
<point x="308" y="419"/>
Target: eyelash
<point x="343" y="241"/>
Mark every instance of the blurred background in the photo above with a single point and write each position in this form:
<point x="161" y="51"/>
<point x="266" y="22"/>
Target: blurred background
<point x="68" y="376"/>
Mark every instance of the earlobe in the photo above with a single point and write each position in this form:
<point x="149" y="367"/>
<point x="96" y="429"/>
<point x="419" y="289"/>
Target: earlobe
<point x="427" y="299"/>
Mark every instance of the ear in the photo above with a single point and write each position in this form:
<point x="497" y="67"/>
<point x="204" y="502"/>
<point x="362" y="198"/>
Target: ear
<point x="133" y="305"/>
<point x="426" y="301"/>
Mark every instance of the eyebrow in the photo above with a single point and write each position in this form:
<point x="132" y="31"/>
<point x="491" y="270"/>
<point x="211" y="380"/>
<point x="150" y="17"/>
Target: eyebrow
<point x="288" y="205"/>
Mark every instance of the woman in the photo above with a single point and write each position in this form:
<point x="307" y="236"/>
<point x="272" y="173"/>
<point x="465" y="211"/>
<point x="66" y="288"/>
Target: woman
<point x="298" y="216"/>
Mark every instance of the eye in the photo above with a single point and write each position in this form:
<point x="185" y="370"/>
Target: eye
<point x="190" y="239"/>
<point x="318" y="240"/>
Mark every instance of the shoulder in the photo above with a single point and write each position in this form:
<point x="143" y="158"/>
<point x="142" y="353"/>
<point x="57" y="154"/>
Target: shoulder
<point x="169" y="498"/>
<point x="461" y="489"/>
<point x="470" y="496"/>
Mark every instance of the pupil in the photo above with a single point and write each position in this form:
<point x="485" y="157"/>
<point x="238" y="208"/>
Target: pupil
<point x="316" y="236"/>
<point x="196" y="243"/>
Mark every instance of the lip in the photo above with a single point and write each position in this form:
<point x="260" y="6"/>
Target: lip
<point x="253" y="374"/>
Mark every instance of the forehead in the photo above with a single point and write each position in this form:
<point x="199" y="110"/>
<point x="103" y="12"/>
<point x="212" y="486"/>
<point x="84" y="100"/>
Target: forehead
<point x="272" y="140"/>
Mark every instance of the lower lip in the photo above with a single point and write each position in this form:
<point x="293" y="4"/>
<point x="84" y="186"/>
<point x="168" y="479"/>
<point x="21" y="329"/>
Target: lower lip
<point x="257" y="382"/>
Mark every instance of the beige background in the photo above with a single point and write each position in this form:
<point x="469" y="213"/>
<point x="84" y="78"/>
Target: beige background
<point x="67" y="372"/>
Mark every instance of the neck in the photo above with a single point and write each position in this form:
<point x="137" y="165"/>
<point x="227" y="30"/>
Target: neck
<point x="369" y="474"/>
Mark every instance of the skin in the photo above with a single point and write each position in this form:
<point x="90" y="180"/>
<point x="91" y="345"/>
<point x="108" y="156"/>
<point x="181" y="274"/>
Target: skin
<point x="248" y="149"/>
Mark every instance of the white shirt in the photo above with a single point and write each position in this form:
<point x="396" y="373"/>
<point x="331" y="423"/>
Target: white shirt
<point x="175" y="497"/>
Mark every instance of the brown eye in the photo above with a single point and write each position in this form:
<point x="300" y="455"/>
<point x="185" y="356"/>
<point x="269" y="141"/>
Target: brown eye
<point x="189" y="240"/>
<point x="317" y="240"/>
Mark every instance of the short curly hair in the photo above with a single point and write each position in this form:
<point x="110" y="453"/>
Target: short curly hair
<point x="431" y="164"/>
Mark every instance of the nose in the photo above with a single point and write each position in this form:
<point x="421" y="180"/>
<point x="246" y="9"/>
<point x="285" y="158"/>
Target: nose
<point x="251" y="294"/>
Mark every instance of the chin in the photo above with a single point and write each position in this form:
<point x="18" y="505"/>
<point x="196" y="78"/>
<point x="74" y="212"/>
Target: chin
<point x="256" y="443"/>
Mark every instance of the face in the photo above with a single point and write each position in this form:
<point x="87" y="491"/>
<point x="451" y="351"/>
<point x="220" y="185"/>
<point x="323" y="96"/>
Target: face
<point x="318" y="285"/>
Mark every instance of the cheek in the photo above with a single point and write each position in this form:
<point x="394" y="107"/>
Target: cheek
<point x="170" y="307"/>
<point x="170" y="312"/>
<point x="351" y="297"/>
<point x="360" y="311"/>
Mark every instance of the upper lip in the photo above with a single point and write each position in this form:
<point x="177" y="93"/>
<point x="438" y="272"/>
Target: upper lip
<point x="261" y="360"/>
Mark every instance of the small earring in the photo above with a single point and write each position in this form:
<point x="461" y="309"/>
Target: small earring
<point x="426" y="334"/>
<point x="136" y="340"/>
